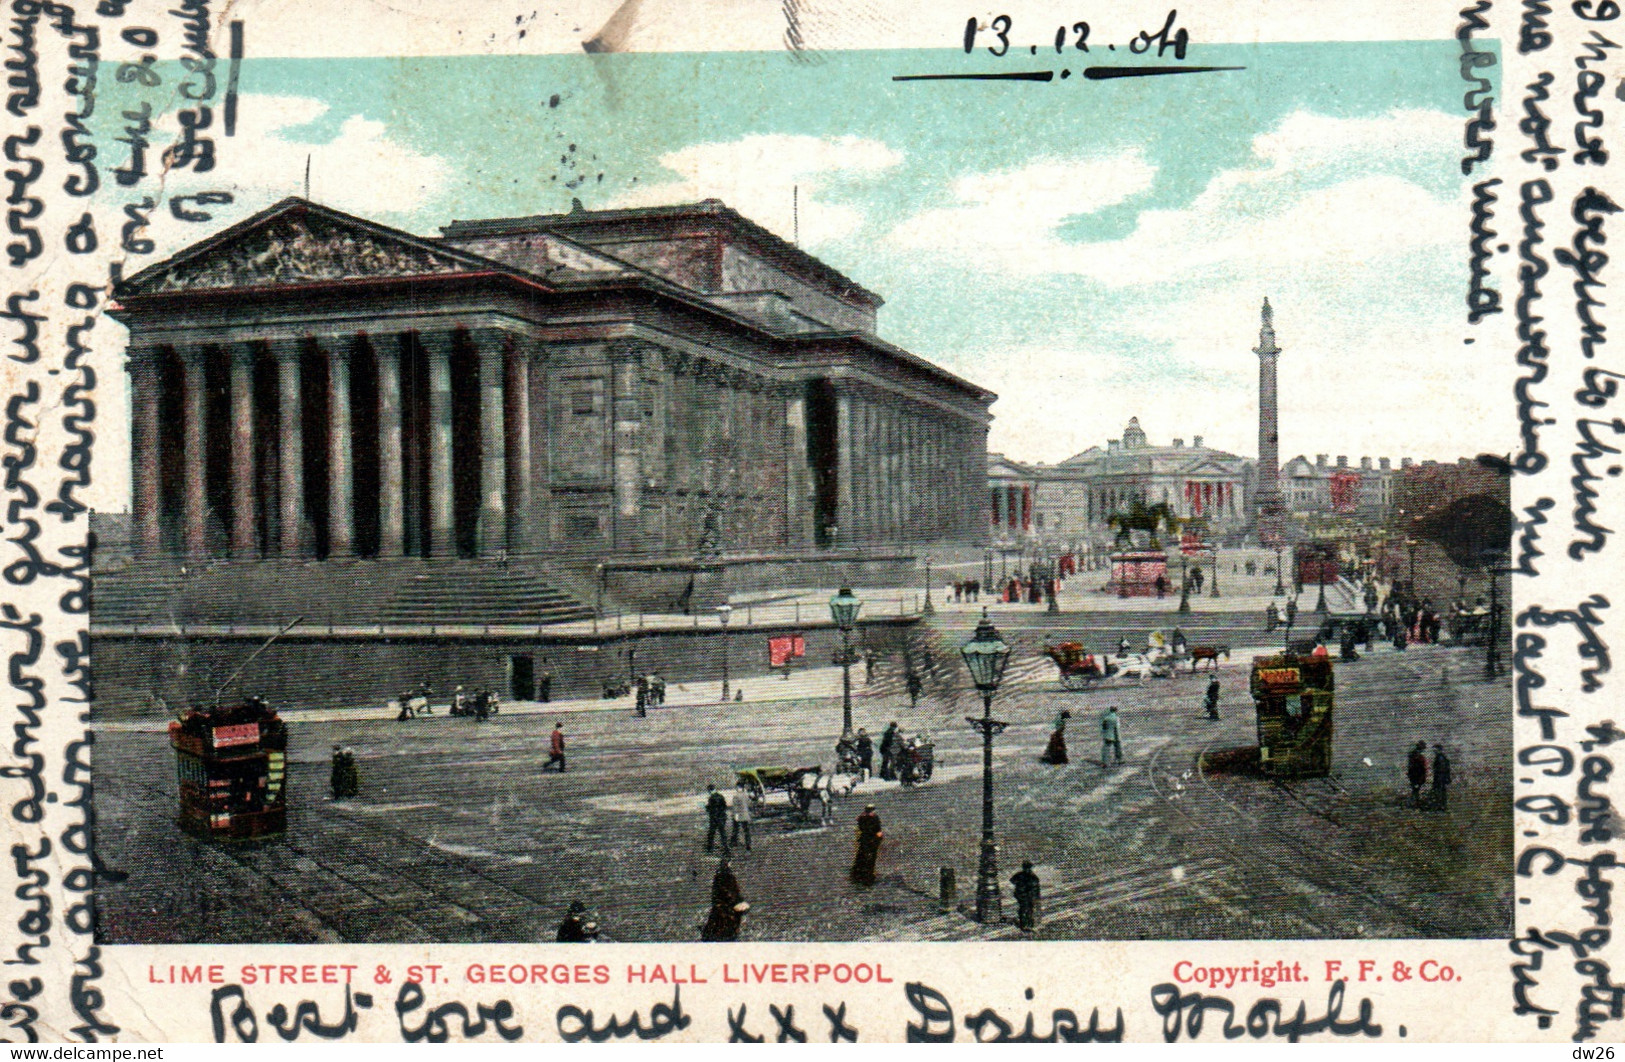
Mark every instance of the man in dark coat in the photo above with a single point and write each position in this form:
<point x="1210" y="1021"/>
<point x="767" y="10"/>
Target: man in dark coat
<point x="728" y="906"/>
<point x="555" y="748"/>
<point x="1027" y="893"/>
<point x="1441" y="779"/>
<point x="1416" y="771"/>
<point x="716" y="818"/>
<point x="866" y="752"/>
<point x="1213" y="697"/>
<point x="544" y="687"/>
<point x="869" y="835"/>
<point x="573" y="930"/>
<point x="888" y="752"/>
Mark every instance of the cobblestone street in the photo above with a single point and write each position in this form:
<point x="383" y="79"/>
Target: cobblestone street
<point x="458" y="835"/>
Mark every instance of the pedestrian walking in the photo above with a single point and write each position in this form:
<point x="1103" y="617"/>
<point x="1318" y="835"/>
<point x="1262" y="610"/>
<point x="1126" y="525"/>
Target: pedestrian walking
<point x="889" y="742"/>
<point x="1291" y="611"/>
<point x="345" y="779"/>
<point x="728" y="906"/>
<point x="913" y="685"/>
<point x="741" y="815"/>
<point x="1416" y="771"/>
<point x="1212" y="701"/>
<point x="716" y="818"/>
<point x="868" y="668"/>
<point x="1111" y="743"/>
<point x="1055" y="751"/>
<point x="866" y="753"/>
<point x="1272" y="617"/>
<point x="544" y="687"/>
<point x="1441" y="779"/>
<point x="575" y="929"/>
<point x="555" y="748"/>
<point x="869" y="835"/>
<point x="826" y="797"/>
<point x="641" y="705"/>
<point x="1026" y="887"/>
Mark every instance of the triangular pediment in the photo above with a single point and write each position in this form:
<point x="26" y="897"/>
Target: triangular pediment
<point x="298" y="242"/>
<point x="1210" y="468"/>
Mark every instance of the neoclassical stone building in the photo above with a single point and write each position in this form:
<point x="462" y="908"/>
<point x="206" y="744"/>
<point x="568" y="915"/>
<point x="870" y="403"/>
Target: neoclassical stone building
<point x="310" y="384"/>
<point x="632" y="407"/>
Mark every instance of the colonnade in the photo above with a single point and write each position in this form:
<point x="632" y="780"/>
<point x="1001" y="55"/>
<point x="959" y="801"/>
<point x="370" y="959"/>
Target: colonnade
<point x="281" y="479"/>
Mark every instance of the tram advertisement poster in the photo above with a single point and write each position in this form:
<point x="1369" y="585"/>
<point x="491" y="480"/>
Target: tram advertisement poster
<point x="418" y="417"/>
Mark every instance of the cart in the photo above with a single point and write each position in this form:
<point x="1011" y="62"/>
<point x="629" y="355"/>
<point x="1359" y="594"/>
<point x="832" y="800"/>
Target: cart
<point x="1079" y="668"/>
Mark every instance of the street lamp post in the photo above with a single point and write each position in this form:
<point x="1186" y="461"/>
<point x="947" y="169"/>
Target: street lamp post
<point x="1184" y="584"/>
<point x="1215" y="591"/>
<point x="928" y="610"/>
<point x="1410" y="547"/>
<point x="843" y="609"/>
<point x="1279" y="587"/>
<point x="724" y="611"/>
<point x="986" y="655"/>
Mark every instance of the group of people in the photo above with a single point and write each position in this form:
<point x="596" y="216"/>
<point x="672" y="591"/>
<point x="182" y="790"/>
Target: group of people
<point x="651" y="693"/>
<point x="1033" y="591"/>
<point x="964" y="590"/>
<point x="1418" y="772"/>
<point x="1111" y="739"/>
<point x="857" y="752"/>
<point x="1273" y="614"/>
<point x="725" y="919"/>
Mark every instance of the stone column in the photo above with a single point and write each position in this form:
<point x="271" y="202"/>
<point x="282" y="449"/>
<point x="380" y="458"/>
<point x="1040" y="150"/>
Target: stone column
<point x="490" y="349"/>
<point x="843" y="466"/>
<point x="442" y="526"/>
<point x="146" y="498"/>
<point x="1000" y="503"/>
<point x="386" y="354"/>
<point x="290" y="447"/>
<point x="516" y="418"/>
<point x="340" y="451"/>
<point x="626" y="359"/>
<point x="194" y="512"/>
<point x="798" y="501"/>
<point x="244" y="525"/>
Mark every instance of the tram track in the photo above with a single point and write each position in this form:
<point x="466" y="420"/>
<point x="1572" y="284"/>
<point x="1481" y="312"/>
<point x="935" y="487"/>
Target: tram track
<point x="1246" y="858"/>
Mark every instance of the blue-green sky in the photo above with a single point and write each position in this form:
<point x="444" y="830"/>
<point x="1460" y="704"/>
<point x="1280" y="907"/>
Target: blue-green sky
<point x="1092" y="250"/>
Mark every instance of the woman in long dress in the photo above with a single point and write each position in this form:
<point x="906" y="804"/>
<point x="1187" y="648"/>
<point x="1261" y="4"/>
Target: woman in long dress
<point x="1055" y="751"/>
<point x="869" y="835"/>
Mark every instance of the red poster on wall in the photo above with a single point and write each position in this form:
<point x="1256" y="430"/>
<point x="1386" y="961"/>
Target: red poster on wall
<point x="784" y="648"/>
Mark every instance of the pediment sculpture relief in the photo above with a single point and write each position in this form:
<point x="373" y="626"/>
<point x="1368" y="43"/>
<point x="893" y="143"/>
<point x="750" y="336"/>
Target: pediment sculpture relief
<point x="293" y="250"/>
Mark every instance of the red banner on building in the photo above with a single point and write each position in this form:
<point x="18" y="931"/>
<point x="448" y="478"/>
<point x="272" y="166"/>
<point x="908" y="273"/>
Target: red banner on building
<point x="783" y="649"/>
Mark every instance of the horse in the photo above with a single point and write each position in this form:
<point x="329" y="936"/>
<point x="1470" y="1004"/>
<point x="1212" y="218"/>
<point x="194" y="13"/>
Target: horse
<point x="1210" y="653"/>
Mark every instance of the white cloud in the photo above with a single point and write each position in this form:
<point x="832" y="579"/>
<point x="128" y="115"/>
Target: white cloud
<point x="756" y="174"/>
<point x="1290" y="211"/>
<point x="361" y="169"/>
<point x="1011" y="215"/>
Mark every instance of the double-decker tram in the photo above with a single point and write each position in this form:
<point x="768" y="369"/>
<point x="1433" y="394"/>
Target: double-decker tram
<point x="1293" y="697"/>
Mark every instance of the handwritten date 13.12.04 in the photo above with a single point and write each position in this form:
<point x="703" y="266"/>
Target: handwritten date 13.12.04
<point x="1075" y="37"/>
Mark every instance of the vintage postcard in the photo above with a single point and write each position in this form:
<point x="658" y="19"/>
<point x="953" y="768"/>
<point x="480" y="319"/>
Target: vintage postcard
<point x="890" y="522"/>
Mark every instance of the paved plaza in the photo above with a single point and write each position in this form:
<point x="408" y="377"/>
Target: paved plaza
<point x="457" y="834"/>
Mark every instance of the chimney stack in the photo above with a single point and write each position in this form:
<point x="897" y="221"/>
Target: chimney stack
<point x="1197" y="442"/>
<point x="1179" y="443"/>
<point x="1320" y="460"/>
<point x="1365" y="464"/>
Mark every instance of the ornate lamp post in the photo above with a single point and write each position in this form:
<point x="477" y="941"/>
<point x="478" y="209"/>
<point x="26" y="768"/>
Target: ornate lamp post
<point x="1320" y="581"/>
<point x="1184" y="584"/>
<point x="1410" y="547"/>
<point x="724" y="611"/>
<point x="1279" y="587"/>
<point x="843" y="609"/>
<point x="927" y="609"/>
<point x="986" y="655"/>
<point x="1215" y="591"/>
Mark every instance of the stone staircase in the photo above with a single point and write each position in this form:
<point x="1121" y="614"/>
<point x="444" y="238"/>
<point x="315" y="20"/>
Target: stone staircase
<point x="362" y="593"/>
<point x="474" y="593"/>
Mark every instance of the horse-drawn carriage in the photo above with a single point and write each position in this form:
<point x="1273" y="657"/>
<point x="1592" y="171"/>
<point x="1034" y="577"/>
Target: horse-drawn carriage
<point x="793" y="788"/>
<point x="915" y="759"/>
<point x="1081" y="669"/>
